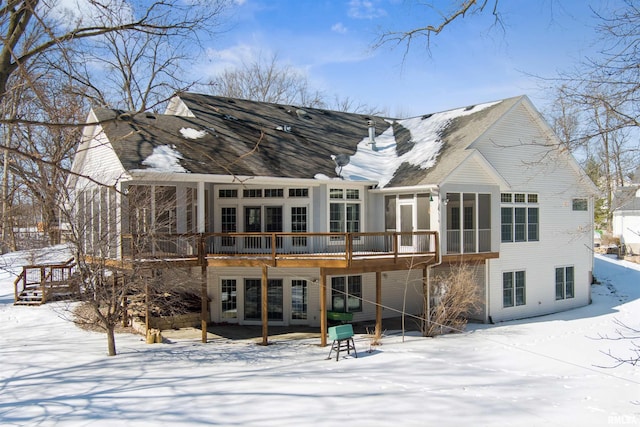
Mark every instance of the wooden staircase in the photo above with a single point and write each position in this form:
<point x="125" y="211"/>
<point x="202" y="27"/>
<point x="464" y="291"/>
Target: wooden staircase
<point x="38" y="284"/>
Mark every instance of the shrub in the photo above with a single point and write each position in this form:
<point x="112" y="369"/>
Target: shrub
<point x="452" y="297"/>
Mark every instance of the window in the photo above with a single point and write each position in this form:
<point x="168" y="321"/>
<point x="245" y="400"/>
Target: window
<point x="298" y="192"/>
<point x="346" y="293"/>
<point x="253" y="219"/>
<point x="520" y="222"/>
<point x="565" y="286"/>
<point x="507" y="224"/>
<point x="228" y="299"/>
<point x="299" y="224"/>
<point x="344" y="216"/>
<point x="580" y="205"/>
<point x="513" y="288"/>
<point x="253" y="299"/>
<point x="227" y="193"/>
<point x="336" y="193"/>
<point x="273" y="192"/>
<point x="252" y="192"/>
<point x="532" y="224"/>
<point x="229" y="225"/>
<point x="273" y="223"/>
<point x="298" y="299"/>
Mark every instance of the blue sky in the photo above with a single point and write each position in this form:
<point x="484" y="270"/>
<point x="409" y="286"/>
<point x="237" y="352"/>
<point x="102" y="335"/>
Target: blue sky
<point x="472" y="61"/>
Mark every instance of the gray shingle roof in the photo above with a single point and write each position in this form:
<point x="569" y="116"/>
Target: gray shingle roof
<point x="261" y="139"/>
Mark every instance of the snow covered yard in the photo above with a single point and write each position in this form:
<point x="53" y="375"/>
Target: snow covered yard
<point x="536" y="372"/>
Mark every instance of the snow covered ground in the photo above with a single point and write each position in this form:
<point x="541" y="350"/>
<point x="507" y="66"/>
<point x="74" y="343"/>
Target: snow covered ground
<point x="545" y="371"/>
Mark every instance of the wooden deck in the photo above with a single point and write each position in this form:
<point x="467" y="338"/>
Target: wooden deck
<point x="38" y="284"/>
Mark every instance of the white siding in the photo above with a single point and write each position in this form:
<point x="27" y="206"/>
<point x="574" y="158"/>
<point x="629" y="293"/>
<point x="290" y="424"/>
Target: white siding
<point x="100" y="161"/>
<point x="399" y="289"/>
<point x="402" y="289"/>
<point x="626" y="226"/>
<point x="470" y="172"/>
<point x="514" y="148"/>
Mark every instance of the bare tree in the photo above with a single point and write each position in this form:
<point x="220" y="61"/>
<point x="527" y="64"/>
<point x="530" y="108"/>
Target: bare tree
<point x="450" y="299"/>
<point x="625" y="332"/>
<point x="159" y="287"/>
<point x="53" y="60"/>
<point x="266" y="80"/>
<point x="59" y="28"/>
<point x="455" y="10"/>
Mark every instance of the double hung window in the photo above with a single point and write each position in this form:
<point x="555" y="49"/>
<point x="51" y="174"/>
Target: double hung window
<point x="346" y="293"/>
<point x="565" y="284"/>
<point x="513" y="288"/>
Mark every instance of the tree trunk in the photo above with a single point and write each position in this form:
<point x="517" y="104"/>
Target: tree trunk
<point x="111" y="340"/>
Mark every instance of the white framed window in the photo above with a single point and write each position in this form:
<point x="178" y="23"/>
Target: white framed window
<point x="346" y="294"/>
<point x="565" y="282"/>
<point x="513" y="288"/>
<point x="274" y="193"/>
<point x="252" y="193"/>
<point x="299" y="298"/>
<point x="345" y="210"/>
<point x="228" y="299"/>
<point x="227" y="193"/>
<point x="580" y="205"/>
<point x="299" y="224"/>
<point x="298" y="192"/>
<point x="520" y="217"/>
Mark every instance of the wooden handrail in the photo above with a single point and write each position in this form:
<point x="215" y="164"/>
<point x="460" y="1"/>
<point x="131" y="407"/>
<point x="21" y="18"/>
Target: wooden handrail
<point x="22" y="277"/>
<point x="274" y="246"/>
<point x="47" y="276"/>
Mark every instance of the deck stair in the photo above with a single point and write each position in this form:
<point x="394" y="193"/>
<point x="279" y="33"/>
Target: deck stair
<point x="38" y="284"/>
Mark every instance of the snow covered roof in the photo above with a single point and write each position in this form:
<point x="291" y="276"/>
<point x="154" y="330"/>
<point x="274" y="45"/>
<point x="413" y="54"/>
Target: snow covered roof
<point x="240" y="137"/>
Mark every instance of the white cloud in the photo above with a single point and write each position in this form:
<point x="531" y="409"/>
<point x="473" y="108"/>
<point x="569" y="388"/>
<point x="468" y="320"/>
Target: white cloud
<point x="339" y="28"/>
<point x="365" y="9"/>
<point x="231" y="58"/>
<point x="76" y="13"/>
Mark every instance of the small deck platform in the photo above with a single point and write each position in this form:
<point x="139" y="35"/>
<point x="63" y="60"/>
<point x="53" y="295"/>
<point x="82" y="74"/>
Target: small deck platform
<point x="38" y="284"/>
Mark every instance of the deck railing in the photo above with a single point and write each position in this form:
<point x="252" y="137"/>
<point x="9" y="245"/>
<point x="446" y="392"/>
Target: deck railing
<point x="43" y="278"/>
<point x="274" y="246"/>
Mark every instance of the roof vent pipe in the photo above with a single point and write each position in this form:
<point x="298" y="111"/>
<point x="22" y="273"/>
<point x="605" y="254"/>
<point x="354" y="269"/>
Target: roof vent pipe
<point x="372" y="134"/>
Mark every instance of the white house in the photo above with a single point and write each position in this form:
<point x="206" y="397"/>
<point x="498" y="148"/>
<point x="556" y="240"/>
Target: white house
<point x="626" y="218"/>
<point x="342" y="212"/>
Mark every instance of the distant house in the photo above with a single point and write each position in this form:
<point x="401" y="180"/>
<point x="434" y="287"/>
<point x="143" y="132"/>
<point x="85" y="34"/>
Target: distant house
<point x="626" y="218"/>
<point x="341" y="212"/>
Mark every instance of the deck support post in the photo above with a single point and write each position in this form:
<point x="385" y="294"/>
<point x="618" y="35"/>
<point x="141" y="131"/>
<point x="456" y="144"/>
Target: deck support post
<point x="204" y="295"/>
<point x="378" y="332"/>
<point x="265" y="305"/>
<point x="426" y="286"/>
<point x="323" y="308"/>
<point x="147" y="312"/>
